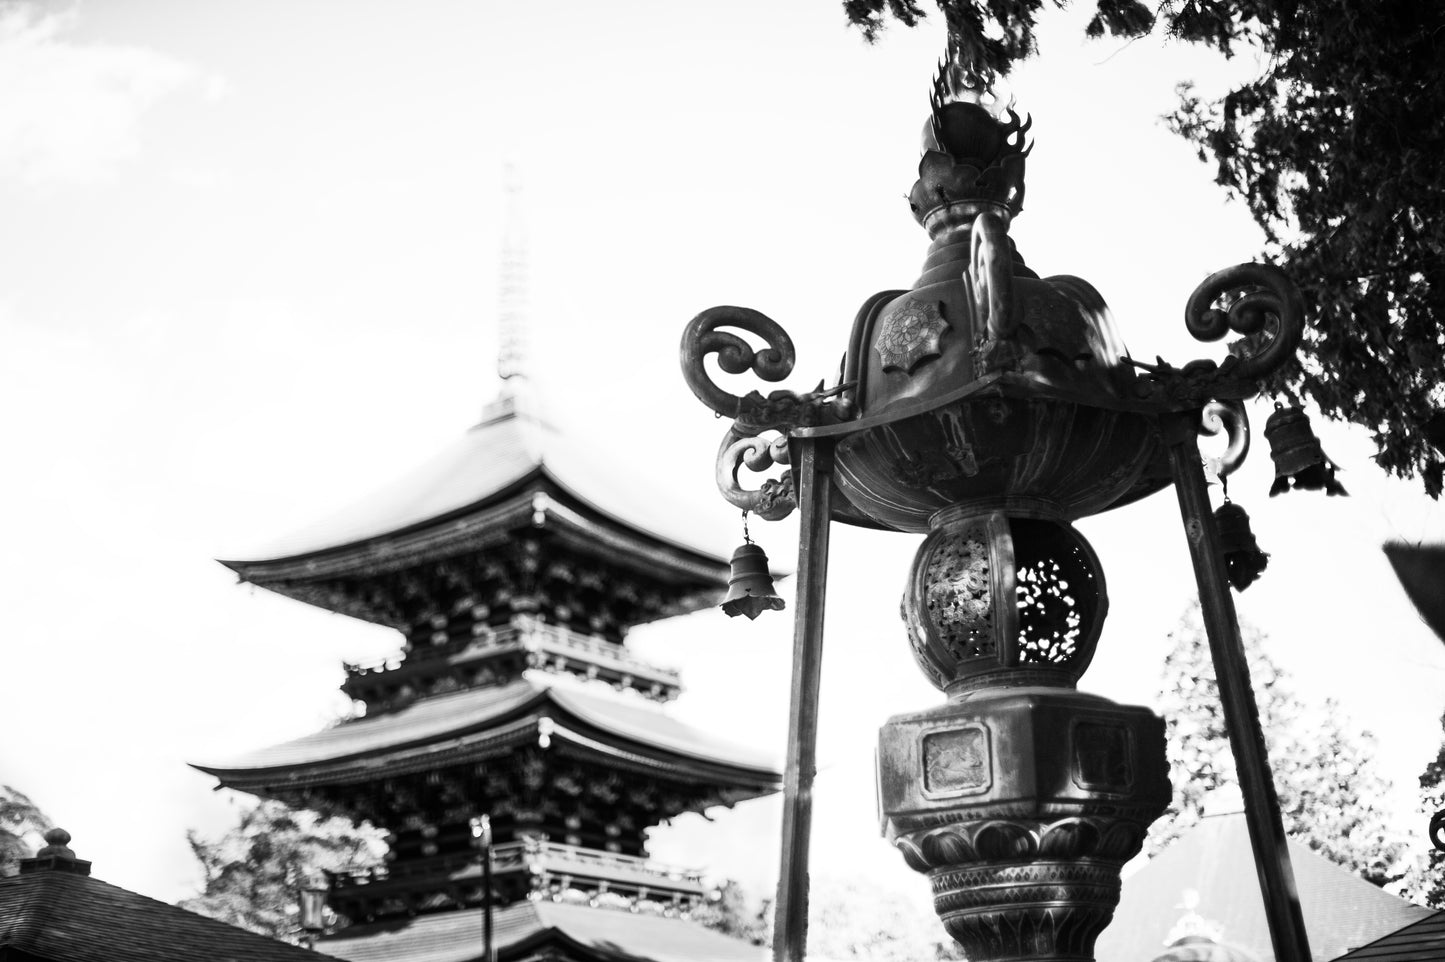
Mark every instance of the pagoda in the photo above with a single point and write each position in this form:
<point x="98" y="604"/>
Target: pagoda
<point x="513" y="564"/>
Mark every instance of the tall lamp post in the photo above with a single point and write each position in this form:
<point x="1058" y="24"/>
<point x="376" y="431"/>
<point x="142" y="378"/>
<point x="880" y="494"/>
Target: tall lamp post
<point x="482" y="838"/>
<point x="990" y="408"/>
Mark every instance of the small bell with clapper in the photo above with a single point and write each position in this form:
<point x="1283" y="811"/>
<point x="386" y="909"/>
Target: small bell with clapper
<point x="750" y="583"/>
<point x="1243" y="560"/>
<point x="1299" y="461"/>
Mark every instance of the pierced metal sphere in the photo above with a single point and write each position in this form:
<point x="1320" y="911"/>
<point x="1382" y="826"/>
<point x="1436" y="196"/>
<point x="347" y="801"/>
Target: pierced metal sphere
<point x="998" y="600"/>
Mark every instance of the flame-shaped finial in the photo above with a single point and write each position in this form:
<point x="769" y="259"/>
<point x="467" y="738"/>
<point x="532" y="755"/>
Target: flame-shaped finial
<point x="974" y="144"/>
<point x="957" y="82"/>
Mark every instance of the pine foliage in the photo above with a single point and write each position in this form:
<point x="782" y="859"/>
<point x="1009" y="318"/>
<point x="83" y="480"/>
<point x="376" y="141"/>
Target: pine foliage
<point x="1330" y="795"/>
<point x="1335" y="149"/>
<point x="22" y="827"/>
<point x="1425" y="879"/>
<point x="255" y="872"/>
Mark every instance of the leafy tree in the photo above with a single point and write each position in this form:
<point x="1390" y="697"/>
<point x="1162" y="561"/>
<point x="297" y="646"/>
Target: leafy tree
<point x="22" y="825"/>
<point x="1334" y="148"/>
<point x="729" y="910"/>
<point x="992" y="36"/>
<point x="852" y="918"/>
<point x="856" y="918"/>
<point x="1330" y="796"/>
<point x="1335" y="151"/>
<point x="1425" y="878"/>
<point x="255" y="872"/>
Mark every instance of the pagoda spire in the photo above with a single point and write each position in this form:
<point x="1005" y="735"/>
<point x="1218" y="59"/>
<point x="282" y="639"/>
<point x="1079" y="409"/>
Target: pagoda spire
<point x="512" y="288"/>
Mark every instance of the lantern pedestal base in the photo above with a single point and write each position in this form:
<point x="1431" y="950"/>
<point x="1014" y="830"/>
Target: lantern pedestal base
<point x="1027" y="910"/>
<point x="1022" y="805"/>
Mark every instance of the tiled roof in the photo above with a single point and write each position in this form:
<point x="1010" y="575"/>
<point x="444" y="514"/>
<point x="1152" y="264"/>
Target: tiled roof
<point x="1423" y="941"/>
<point x="520" y="928"/>
<point x="1199" y="949"/>
<point x="69" y="917"/>
<point x="1214" y="859"/>
<point x="444" y="720"/>
<point x="511" y="444"/>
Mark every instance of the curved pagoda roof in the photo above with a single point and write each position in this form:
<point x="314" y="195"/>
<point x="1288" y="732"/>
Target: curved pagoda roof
<point x="512" y="469"/>
<point x="540" y="929"/>
<point x="480" y="723"/>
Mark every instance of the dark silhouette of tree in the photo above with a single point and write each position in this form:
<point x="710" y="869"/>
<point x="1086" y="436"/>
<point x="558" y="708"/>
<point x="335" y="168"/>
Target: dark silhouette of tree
<point x="1335" y="150"/>
<point x="255" y="872"/>
<point x="22" y="827"/>
<point x="1425" y="879"/>
<point x="1330" y="795"/>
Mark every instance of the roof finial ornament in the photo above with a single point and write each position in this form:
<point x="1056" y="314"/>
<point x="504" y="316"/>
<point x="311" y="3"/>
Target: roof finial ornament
<point x="55" y="856"/>
<point x="1191" y="924"/>
<point x="512" y="285"/>
<point x="57" y="842"/>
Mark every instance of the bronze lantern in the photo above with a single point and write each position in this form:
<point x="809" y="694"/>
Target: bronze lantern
<point x="989" y="408"/>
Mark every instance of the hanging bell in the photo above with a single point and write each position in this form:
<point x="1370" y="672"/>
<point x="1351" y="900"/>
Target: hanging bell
<point x="1299" y="461"/>
<point x="1243" y="561"/>
<point x="750" y="585"/>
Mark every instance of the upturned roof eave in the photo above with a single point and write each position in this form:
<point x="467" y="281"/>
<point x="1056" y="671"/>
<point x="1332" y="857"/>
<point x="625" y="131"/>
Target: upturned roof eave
<point x="746" y="781"/>
<point x="589" y="731"/>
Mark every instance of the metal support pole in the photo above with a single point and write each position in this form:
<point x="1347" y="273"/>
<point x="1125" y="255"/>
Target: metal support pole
<point x="812" y="458"/>
<point x="1241" y="714"/>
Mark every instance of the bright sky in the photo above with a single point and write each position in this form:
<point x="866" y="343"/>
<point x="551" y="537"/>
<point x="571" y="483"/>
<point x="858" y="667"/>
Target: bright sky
<point x="250" y="257"/>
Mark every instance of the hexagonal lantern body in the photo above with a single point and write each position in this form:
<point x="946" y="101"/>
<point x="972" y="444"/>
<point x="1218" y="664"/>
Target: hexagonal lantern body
<point x="1021" y="805"/>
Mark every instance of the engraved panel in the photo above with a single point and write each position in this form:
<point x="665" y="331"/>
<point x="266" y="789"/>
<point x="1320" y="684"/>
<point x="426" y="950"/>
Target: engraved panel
<point x="1103" y="757"/>
<point x="956" y="761"/>
<point x="910" y="334"/>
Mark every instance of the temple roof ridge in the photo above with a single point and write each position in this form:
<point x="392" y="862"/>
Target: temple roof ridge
<point x="515" y="442"/>
<point x="517" y="398"/>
